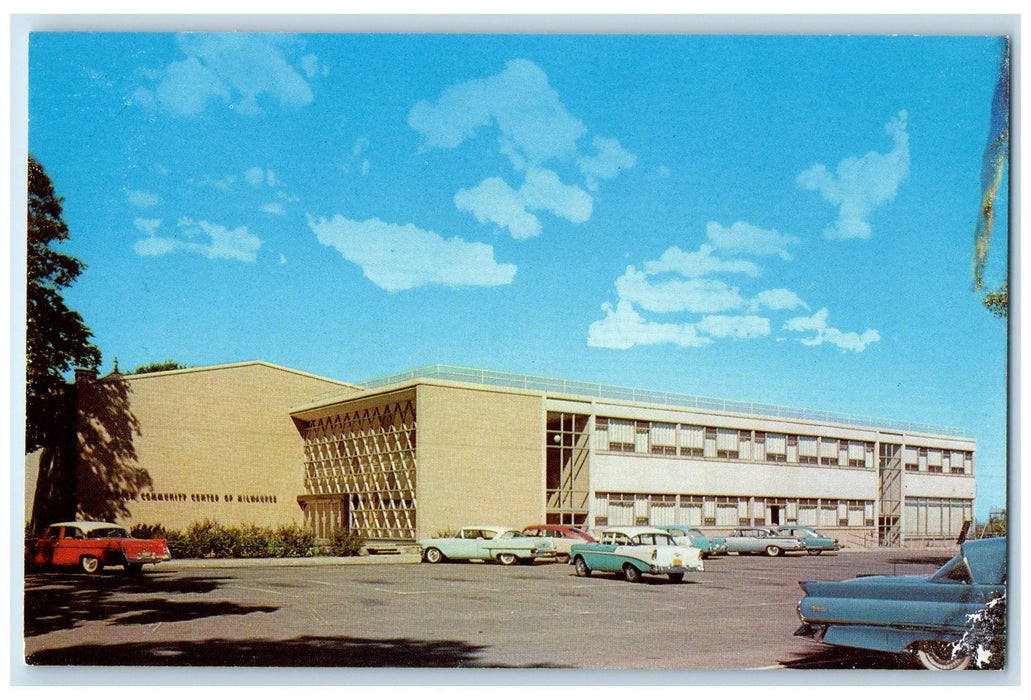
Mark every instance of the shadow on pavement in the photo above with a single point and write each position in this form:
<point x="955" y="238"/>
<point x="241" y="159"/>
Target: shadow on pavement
<point x="846" y="658"/>
<point x="65" y="601"/>
<point x="300" y="652"/>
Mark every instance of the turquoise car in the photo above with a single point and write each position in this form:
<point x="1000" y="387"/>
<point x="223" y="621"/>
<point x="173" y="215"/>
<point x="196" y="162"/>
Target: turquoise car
<point x="710" y="546"/>
<point x="506" y="545"/>
<point x="634" y="551"/>
<point x="925" y="615"/>
<point x="814" y="542"/>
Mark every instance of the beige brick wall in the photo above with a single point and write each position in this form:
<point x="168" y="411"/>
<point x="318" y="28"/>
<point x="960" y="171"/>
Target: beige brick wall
<point x="218" y="443"/>
<point x="480" y="458"/>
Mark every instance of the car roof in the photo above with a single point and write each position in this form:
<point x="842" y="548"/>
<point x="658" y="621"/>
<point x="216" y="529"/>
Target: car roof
<point x="986" y="559"/>
<point x="634" y="530"/>
<point x="86" y="524"/>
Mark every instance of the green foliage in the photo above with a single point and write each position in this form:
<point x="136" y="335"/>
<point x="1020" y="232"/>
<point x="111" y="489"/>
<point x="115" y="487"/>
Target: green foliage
<point x="57" y="339"/>
<point x="166" y="366"/>
<point x="998" y="302"/>
<point x="209" y="540"/>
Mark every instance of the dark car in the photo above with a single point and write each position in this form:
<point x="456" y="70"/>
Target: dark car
<point x="927" y="615"/>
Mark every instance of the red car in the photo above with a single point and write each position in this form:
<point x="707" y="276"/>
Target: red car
<point x="91" y="546"/>
<point x="563" y="537"/>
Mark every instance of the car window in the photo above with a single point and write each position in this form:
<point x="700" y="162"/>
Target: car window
<point x="954" y="571"/>
<point x="104" y="533"/>
<point x="471" y="534"/>
<point x="73" y="533"/>
<point x="677" y="533"/>
<point x="52" y="532"/>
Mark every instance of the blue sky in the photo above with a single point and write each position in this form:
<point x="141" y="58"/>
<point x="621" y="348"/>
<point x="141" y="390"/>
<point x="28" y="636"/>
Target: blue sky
<point x="777" y="219"/>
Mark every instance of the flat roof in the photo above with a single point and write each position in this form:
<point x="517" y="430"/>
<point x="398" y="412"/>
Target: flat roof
<point x="549" y="385"/>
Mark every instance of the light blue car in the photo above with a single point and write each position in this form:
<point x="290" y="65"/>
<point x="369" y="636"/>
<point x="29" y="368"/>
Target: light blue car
<point x="710" y="546"/>
<point x="633" y="551"/>
<point x="927" y="615"/>
<point x="814" y="542"/>
<point x="506" y="545"/>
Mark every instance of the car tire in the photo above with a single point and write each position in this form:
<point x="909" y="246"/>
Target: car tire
<point x="675" y="578"/>
<point x="434" y="556"/>
<point x="507" y="558"/>
<point x="133" y="569"/>
<point x="91" y="564"/>
<point x="631" y="574"/>
<point x="562" y="558"/>
<point x="581" y="568"/>
<point x="773" y="550"/>
<point x="814" y="552"/>
<point x="938" y="656"/>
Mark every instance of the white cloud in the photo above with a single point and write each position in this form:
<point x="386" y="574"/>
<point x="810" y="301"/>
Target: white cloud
<point x="534" y="125"/>
<point x="671" y="295"/>
<point x="745" y="238"/>
<point x="623" y="328"/>
<point x="822" y="333"/>
<point x="147" y="226"/>
<point x="216" y="242"/>
<point x="256" y="177"/>
<point x="234" y="69"/>
<point x="141" y="198"/>
<point x="699" y="263"/>
<point x="858" y="185"/>
<point x="398" y="257"/>
<point x="494" y="201"/>
<point x="610" y="160"/>
<point x="777" y="300"/>
<point x="273" y="208"/>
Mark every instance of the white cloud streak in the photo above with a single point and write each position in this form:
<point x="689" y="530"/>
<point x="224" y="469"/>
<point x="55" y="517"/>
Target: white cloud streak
<point x="821" y="333"/>
<point x="397" y="257"/>
<point x="859" y="185"/>
<point x="209" y="240"/>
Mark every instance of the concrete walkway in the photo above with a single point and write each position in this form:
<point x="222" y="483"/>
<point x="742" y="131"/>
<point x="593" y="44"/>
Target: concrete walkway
<point x="287" y="561"/>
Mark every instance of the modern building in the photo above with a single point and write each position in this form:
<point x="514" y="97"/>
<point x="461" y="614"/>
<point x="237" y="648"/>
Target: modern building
<point x="426" y="451"/>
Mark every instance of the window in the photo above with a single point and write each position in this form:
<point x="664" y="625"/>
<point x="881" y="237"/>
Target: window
<point x="744" y="438"/>
<point x="934" y="461"/>
<point x="807" y="449"/>
<point x="792" y="455"/>
<point x="692" y="440"/>
<point x="710" y="442"/>
<point x="622" y="435"/>
<point x="829" y="452"/>
<point x="776" y="447"/>
<point x="727" y="445"/>
<point x="911" y="459"/>
<point x="663" y="438"/>
<point x="759" y="451"/>
<point x="857" y="451"/>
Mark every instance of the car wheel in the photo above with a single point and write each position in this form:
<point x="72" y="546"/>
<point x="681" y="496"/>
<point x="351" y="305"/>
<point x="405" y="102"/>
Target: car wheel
<point x="133" y="569"/>
<point x="507" y="558"/>
<point x="433" y="555"/>
<point x="581" y="567"/>
<point x="773" y="550"/>
<point x="814" y="552"/>
<point x="631" y="574"/>
<point x="562" y="558"/>
<point x="90" y="564"/>
<point x="939" y="656"/>
<point x="675" y="578"/>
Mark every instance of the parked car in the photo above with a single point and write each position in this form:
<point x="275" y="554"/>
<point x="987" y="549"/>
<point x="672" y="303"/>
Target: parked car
<point x="922" y="614"/>
<point x="814" y="542"/>
<point x="759" y="540"/>
<point x="634" y="551"/>
<point x="562" y="537"/>
<point x="488" y="543"/>
<point x="91" y="546"/>
<point x="710" y="546"/>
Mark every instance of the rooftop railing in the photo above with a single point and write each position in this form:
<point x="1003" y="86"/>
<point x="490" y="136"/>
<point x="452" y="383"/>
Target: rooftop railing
<point x="548" y="385"/>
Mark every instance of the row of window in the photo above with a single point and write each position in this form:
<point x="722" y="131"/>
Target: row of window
<point x="935" y="517"/>
<point x="728" y="511"/>
<point x="706" y="442"/>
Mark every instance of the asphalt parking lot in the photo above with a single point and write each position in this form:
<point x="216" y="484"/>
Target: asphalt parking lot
<point x="391" y="612"/>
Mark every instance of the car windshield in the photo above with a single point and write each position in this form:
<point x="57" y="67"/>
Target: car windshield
<point x="511" y="534"/>
<point x="104" y="533"/>
<point x="955" y="570"/>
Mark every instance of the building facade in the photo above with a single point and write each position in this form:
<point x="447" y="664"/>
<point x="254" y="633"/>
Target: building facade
<point x="426" y="451"/>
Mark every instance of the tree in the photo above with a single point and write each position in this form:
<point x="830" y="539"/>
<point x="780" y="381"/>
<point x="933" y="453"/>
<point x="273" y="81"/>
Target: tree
<point x="57" y="339"/>
<point x="166" y="366"/>
<point x="996" y="158"/>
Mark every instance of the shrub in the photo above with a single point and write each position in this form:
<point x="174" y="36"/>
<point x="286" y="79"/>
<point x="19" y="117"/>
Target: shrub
<point x="209" y="540"/>
<point x="347" y="544"/>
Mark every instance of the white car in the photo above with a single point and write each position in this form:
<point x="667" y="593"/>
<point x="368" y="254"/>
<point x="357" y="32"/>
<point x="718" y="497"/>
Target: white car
<point x="634" y="551"/>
